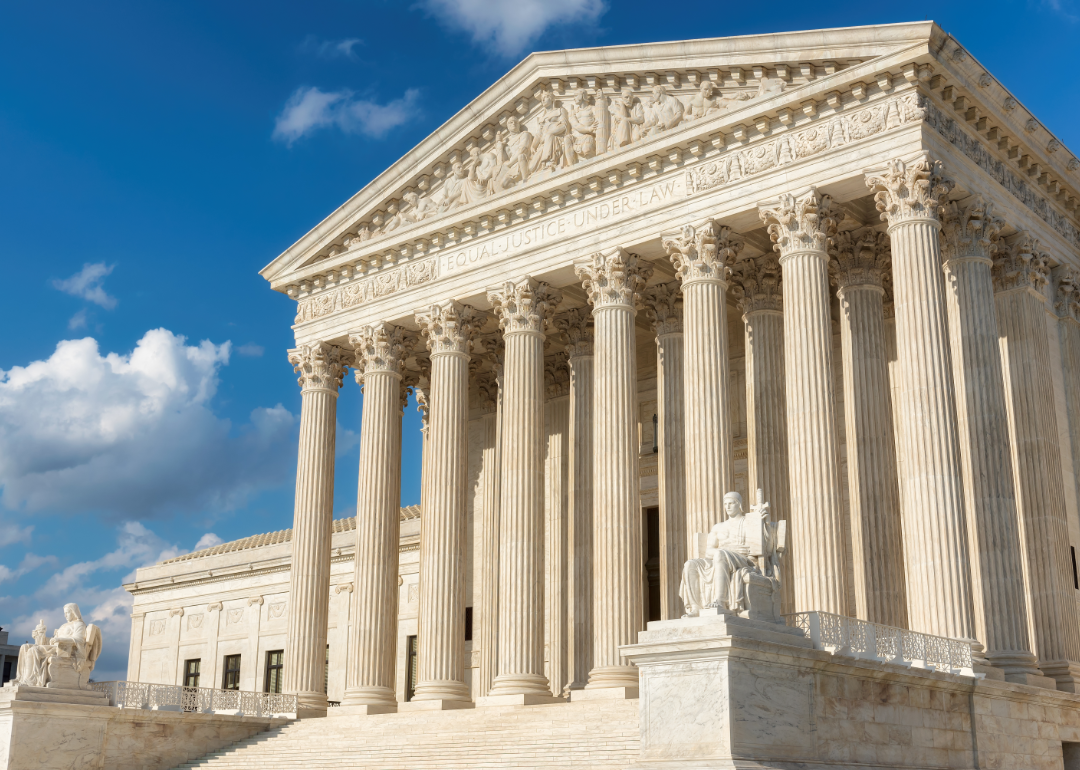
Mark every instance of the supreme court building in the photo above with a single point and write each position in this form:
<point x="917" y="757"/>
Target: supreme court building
<point x="839" y="266"/>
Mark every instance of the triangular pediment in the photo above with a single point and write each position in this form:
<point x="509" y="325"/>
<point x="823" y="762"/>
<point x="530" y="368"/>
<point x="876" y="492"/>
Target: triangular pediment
<point x="558" y="115"/>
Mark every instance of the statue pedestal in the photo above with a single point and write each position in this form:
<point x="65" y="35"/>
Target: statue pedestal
<point x="50" y="694"/>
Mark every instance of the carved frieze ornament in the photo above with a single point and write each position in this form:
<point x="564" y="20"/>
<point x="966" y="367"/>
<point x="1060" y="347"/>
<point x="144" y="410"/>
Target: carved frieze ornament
<point x="381" y="348"/>
<point x="1021" y="264"/>
<point x="615" y="278"/>
<point x="859" y="259"/>
<point x="909" y="191"/>
<point x="969" y="231"/>
<point x="321" y="366"/>
<point x="664" y="308"/>
<point x="448" y="328"/>
<point x="798" y="225"/>
<point x="524" y="305"/>
<point x="576" y="328"/>
<point x="757" y="279"/>
<point x="1067" y="292"/>
<point x="703" y="253"/>
<point x="556" y="375"/>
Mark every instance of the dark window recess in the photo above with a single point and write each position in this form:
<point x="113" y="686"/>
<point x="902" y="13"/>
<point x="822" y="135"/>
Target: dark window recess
<point x="191" y="672"/>
<point x="410" y="667"/>
<point x="275" y="667"/>
<point x="326" y="672"/>
<point x="1076" y="575"/>
<point x="230" y="680"/>
<point x="7" y="672"/>
<point x="1070" y="753"/>
<point x="651" y="530"/>
<point x="468" y="624"/>
<point x="655" y="434"/>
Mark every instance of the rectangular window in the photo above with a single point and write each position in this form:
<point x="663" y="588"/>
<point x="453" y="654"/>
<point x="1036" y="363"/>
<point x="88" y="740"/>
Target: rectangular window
<point x="231" y="678"/>
<point x="275" y="665"/>
<point x="651" y="532"/>
<point x="191" y="672"/>
<point x="468" y="624"/>
<point x="7" y="672"/>
<point x="410" y="667"/>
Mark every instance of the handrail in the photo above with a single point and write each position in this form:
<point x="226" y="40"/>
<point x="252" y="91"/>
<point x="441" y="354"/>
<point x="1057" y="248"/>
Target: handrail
<point x="842" y="635"/>
<point x="205" y="700"/>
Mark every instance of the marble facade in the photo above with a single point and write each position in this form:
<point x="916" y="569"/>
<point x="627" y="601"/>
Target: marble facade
<point x="839" y="266"/>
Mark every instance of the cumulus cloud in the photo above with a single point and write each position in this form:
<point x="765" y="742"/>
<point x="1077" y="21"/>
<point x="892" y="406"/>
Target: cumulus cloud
<point x="87" y="284"/>
<point x="11" y="533"/>
<point x="331" y="49"/>
<point x="29" y="563"/>
<point x="133" y="435"/>
<point x="251" y="350"/>
<point x="508" y="27"/>
<point x="209" y="540"/>
<point x="309" y="109"/>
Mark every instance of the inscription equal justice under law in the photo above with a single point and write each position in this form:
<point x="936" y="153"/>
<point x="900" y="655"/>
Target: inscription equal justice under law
<point x="572" y="222"/>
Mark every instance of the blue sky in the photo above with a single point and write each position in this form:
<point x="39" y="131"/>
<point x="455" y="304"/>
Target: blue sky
<point x="145" y="412"/>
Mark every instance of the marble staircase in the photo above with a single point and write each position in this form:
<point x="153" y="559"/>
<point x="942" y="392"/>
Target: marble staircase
<point x="599" y="735"/>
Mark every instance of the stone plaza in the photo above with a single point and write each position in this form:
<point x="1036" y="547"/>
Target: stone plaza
<point x="750" y="379"/>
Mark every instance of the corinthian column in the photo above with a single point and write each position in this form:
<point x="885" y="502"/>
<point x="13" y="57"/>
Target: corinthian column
<point x="449" y="329"/>
<point x="766" y="411"/>
<point x="701" y="257"/>
<point x="858" y="263"/>
<point x="664" y="305"/>
<point x="379" y="352"/>
<point x="321" y="368"/>
<point x="968" y="237"/>
<point x="614" y="282"/>
<point x="490" y="401"/>
<point x="557" y="422"/>
<point x="522" y="308"/>
<point x="1020" y="273"/>
<point x="577" y="327"/>
<point x="935" y="536"/>
<point x="800" y="228"/>
<point x="1067" y="305"/>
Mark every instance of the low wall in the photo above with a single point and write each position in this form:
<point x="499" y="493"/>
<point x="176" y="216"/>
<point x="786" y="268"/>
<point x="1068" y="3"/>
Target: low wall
<point x="62" y="736"/>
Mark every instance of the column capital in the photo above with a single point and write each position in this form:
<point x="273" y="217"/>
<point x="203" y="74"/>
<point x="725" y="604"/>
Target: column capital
<point x="419" y="380"/>
<point x="759" y="280"/>
<point x="614" y="279"/>
<point x="487" y="384"/>
<point x="909" y="191"/>
<point x="703" y="253"/>
<point x="1067" y="292"/>
<point x="577" y="327"/>
<point x="798" y="225"/>
<point x="664" y="308"/>
<point x="859" y="259"/>
<point x="381" y="348"/>
<point x="321" y="366"/>
<point x="556" y="375"/>
<point x="449" y="327"/>
<point x="969" y="231"/>
<point x="1021" y="263"/>
<point x="524" y="305"/>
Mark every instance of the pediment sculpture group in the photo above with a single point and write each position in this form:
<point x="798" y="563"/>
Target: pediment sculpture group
<point x="736" y="567"/>
<point x="566" y="132"/>
<point x="64" y="660"/>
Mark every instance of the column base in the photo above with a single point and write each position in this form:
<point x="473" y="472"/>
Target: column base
<point x="612" y="676"/>
<point x="520" y="684"/>
<point x="1020" y="667"/>
<point x="369" y="696"/>
<point x="361" y="709"/>
<point x="436" y="704"/>
<point x="311" y="704"/>
<point x="442" y="690"/>
<point x="605" y="693"/>
<point x="518" y="699"/>
<point x="1065" y="672"/>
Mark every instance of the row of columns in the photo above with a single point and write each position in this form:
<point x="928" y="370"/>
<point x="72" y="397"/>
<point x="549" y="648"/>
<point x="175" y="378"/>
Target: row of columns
<point x="958" y="524"/>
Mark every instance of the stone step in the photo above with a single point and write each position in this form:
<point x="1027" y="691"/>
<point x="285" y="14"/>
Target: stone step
<point x="599" y="735"/>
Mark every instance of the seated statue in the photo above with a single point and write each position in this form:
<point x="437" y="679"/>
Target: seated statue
<point x="738" y="570"/>
<point x="65" y="660"/>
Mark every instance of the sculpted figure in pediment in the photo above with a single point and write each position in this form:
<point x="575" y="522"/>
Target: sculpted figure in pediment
<point x="514" y="148"/>
<point x="627" y="118"/>
<point x="664" y="112"/>
<point x="704" y="102"/>
<point x="602" y="115"/>
<point x="555" y="143"/>
<point x="583" y="125"/>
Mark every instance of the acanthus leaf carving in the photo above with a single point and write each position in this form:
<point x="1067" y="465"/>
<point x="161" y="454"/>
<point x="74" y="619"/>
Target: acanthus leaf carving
<point x="449" y="327"/>
<point x="758" y="281"/>
<point x="576" y="328"/>
<point x="664" y="307"/>
<point x="615" y="278"/>
<point x="524" y="305"/>
<point x="801" y="224"/>
<point x="556" y="375"/>
<point x="703" y="253"/>
<point x="381" y="347"/>
<point x="321" y="366"/>
<point x="1067" y="292"/>
<point x="969" y="231"/>
<point x="1021" y="263"/>
<point x="859" y="258"/>
<point x="909" y="191"/>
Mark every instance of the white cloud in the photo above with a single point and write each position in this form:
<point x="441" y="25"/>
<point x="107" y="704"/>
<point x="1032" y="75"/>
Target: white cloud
<point x="331" y="49"/>
<point x="251" y="350"/>
<point x="309" y="109"/>
<point x="29" y="563"/>
<point x="11" y="533"/>
<point x="508" y="27"/>
<point x="209" y="540"/>
<point x="78" y="321"/>
<point x="87" y="284"/>
<point x="132" y="435"/>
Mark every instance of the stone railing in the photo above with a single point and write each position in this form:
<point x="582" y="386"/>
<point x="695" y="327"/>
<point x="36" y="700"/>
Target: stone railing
<point x="204" y="700"/>
<point x="842" y="635"/>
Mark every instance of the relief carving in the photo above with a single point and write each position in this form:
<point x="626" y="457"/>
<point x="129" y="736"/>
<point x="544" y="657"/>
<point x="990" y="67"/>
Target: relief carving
<point x="276" y="610"/>
<point x="157" y="627"/>
<point x="233" y="617"/>
<point x="194" y="622"/>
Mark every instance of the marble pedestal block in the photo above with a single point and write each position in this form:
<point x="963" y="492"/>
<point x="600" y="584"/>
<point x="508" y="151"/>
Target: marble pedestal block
<point x="726" y="692"/>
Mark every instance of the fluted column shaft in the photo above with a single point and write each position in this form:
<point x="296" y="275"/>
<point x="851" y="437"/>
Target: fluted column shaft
<point x="614" y="282"/>
<point x="934" y="525"/>
<point x="578" y="328"/>
<point x="370" y="679"/>
<point x="1000" y="607"/>
<point x="800" y="228"/>
<point x="441" y="622"/>
<point x="489" y="601"/>
<point x="557" y="420"/>
<point x="522" y="307"/>
<point x="321" y="368"/>
<point x="1036" y="455"/>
